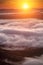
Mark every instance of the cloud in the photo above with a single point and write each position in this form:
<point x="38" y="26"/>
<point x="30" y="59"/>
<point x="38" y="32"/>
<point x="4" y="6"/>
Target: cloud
<point x="33" y="61"/>
<point x="21" y="32"/>
<point x="29" y="61"/>
<point x="4" y="1"/>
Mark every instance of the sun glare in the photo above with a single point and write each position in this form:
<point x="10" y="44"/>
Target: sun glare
<point x="25" y="6"/>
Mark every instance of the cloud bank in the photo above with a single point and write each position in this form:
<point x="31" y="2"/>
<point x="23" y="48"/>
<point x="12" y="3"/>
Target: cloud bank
<point x="21" y="32"/>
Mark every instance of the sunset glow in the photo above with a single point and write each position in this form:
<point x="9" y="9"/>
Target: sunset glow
<point x="25" y="6"/>
<point x="13" y="4"/>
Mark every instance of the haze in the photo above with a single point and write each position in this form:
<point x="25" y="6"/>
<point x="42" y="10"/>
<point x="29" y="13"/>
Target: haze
<point x="12" y="4"/>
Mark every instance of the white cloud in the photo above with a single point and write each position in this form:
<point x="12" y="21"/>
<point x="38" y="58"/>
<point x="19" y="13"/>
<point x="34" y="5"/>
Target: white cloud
<point x="21" y="32"/>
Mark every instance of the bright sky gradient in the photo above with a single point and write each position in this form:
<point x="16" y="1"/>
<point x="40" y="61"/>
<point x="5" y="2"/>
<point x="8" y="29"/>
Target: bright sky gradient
<point x="18" y="3"/>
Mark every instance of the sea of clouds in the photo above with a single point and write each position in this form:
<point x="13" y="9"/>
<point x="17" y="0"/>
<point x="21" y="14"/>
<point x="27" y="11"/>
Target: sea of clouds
<point x="28" y="61"/>
<point x="22" y="32"/>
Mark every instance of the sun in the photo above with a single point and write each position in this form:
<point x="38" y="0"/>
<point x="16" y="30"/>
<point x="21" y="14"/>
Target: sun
<point x="25" y="6"/>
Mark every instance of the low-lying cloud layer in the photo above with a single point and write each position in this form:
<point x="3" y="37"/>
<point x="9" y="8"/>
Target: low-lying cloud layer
<point x="21" y="32"/>
<point x="28" y="61"/>
<point x="16" y="34"/>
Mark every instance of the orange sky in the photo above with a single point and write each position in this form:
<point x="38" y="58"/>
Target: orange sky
<point x="18" y="3"/>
